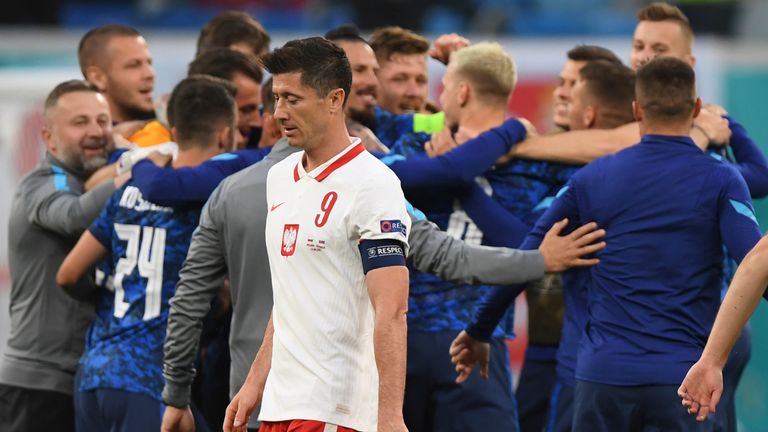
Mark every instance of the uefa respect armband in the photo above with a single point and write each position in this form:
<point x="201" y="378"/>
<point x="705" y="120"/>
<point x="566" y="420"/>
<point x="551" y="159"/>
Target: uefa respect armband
<point x="381" y="253"/>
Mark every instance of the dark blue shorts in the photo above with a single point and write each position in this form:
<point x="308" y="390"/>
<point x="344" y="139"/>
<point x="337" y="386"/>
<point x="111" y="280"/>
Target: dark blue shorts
<point x="433" y="400"/>
<point x="537" y="379"/>
<point x="609" y="408"/>
<point x="560" y="418"/>
<point x="120" y="411"/>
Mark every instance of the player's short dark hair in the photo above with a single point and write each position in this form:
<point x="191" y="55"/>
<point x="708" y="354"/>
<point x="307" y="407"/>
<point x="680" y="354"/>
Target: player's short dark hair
<point x="345" y="33"/>
<point x="232" y="27"/>
<point x="224" y="63"/>
<point x="93" y="44"/>
<point x="268" y="96"/>
<point x="612" y="85"/>
<point x="588" y="53"/>
<point x="387" y="41"/>
<point x="666" y="90"/>
<point x="198" y="107"/>
<point x="322" y="64"/>
<point x="67" y="87"/>
<point x="660" y="11"/>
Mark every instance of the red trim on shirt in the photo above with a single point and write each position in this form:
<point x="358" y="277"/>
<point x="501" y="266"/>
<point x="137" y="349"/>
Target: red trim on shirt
<point x="340" y="162"/>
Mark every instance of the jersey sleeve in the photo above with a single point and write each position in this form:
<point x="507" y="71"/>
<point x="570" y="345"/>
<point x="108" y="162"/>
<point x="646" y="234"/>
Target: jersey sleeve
<point x="499" y="226"/>
<point x="565" y="205"/>
<point x="493" y="305"/>
<point x="379" y="212"/>
<point x="435" y="251"/>
<point x="101" y="227"/>
<point x="750" y="161"/>
<point x="52" y="205"/>
<point x="462" y="164"/>
<point x="389" y="127"/>
<point x="199" y="282"/>
<point x="738" y="224"/>
<point x="189" y="185"/>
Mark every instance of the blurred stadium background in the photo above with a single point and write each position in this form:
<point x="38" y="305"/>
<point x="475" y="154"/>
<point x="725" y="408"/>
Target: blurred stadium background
<point x="38" y="43"/>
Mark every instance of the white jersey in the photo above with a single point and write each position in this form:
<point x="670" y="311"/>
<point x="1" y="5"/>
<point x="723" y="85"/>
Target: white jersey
<point x="323" y="365"/>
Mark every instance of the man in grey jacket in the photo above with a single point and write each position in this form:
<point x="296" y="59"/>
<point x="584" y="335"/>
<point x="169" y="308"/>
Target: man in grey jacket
<point x="50" y="210"/>
<point x="230" y="241"/>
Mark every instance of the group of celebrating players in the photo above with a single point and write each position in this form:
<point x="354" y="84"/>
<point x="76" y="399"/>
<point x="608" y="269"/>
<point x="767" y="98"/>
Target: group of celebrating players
<point x="333" y="252"/>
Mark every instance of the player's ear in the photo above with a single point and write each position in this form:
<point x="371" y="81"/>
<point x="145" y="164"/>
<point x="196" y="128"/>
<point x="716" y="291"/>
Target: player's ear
<point x="637" y="111"/>
<point x="47" y="136"/>
<point x="697" y="107"/>
<point x="174" y="134"/>
<point x="97" y="77"/>
<point x="336" y="100"/>
<point x="589" y="117"/>
<point x="463" y="93"/>
<point x="226" y="139"/>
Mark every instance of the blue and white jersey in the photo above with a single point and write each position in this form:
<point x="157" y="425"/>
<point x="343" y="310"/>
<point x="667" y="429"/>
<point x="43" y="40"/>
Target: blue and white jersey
<point x="148" y="244"/>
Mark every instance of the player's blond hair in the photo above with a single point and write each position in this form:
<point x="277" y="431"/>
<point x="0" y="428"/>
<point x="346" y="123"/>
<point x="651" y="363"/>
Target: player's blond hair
<point x="489" y="69"/>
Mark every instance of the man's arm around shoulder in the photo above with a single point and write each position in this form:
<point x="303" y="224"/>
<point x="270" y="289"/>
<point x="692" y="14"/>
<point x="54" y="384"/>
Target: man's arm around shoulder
<point x="53" y="206"/>
<point x="577" y="147"/>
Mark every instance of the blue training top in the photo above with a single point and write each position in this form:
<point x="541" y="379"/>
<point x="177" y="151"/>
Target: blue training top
<point x="190" y="185"/>
<point x="667" y="208"/>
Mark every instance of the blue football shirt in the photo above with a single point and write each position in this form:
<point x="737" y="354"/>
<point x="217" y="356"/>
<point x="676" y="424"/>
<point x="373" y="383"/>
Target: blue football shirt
<point x="148" y="244"/>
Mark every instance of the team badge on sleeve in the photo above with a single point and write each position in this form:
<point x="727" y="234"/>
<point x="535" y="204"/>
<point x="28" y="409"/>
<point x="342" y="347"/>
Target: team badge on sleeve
<point x="290" y="232"/>
<point x="394" y="225"/>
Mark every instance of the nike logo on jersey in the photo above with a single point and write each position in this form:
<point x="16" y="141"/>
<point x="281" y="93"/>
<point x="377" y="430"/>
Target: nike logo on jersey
<point x="275" y="206"/>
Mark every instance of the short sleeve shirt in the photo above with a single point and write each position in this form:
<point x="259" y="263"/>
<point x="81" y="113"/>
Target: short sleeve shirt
<point x="323" y="365"/>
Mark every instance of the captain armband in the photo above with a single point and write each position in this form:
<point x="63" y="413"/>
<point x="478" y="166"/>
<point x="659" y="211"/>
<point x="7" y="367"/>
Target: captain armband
<point x="428" y="123"/>
<point x="381" y="253"/>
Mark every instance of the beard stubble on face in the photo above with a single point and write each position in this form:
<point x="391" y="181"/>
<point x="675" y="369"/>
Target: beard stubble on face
<point x="82" y="165"/>
<point x="366" y="118"/>
<point x="137" y="113"/>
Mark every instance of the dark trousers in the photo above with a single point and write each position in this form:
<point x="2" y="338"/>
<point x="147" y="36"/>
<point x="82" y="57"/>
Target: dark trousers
<point x="28" y="410"/>
<point x="537" y="379"/>
<point x="609" y="408"/>
<point x="560" y="418"/>
<point x="433" y="400"/>
<point x="121" y="411"/>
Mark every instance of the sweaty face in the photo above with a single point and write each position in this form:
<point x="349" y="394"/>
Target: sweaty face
<point x="403" y="83"/>
<point x="79" y="131"/>
<point x="130" y="78"/>
<point x="248" y="101"/>
<point x="449" y="98"/>
<point x="301" y="113"/>
<point x="578" y="106"/>
<point x="663" y="38"/>
<point x="365" y="84"/>
<point x="562" y="94"/>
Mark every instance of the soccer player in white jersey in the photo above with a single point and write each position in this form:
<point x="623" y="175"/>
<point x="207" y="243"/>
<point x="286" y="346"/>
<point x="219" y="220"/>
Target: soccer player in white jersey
<point x="333" y="357"/>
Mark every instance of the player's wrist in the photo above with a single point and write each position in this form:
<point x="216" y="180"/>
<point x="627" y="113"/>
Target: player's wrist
<point x="704" y="136"/>
<point x="176" y="395"/>
<point x="391" y="415"/>
<point x="711" y="360"/>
